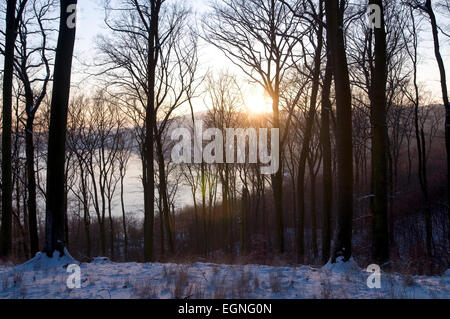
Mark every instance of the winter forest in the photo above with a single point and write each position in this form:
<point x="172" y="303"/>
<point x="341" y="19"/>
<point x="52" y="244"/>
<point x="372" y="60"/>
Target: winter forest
<point x="347" y="101"/>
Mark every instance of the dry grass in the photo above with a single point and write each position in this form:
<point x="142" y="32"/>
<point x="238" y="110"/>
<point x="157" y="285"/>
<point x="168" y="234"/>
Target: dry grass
<point x="144" y="290"/>
<point x="181" y="281"/>
<point x="242" y="284"/>
<point x="326" y="291"/>
<point x="275" y="282"/>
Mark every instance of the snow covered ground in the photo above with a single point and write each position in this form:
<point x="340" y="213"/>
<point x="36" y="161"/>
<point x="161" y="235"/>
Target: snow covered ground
<point x="47" y="278"/>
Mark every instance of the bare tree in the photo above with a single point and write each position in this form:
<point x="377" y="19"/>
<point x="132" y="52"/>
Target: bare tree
<point x="152" y="46"/>
<point x="414" y="98"/>
<point x="12" y="22"/>
<point x="315" y="72"/>
<point x="31" y="60"/>
<point x="440" y="61"/>
<point x="327" y="174"/>
<point x="259" y="37"/>
<point x="55" y="228"/>
<point x="343" y="236"/>
<point x="124" y="155"/>
<point x="379" y="142"/>
<point x="79" y="135"/>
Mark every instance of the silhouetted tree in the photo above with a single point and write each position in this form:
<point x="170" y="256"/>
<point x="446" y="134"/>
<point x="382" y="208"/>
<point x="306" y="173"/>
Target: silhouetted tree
<point x="344" y="148"/>
<point x="379" y="143"/>
<point x="7" y="187"/>
<point x="55" y="208"/>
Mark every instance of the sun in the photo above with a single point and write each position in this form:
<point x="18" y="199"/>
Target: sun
<point x="258" y="101"/>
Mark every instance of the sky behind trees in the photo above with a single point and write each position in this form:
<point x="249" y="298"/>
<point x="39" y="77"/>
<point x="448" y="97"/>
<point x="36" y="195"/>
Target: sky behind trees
<point x="91" y="25"/>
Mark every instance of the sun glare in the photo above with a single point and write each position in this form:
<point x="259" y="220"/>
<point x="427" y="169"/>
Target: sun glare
<point x="258" y="101"/>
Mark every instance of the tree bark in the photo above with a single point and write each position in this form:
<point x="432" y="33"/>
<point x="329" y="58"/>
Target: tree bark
<point x="10" y="38"/>
<point x="55" y="230"/>
<point x="124" y="220"/>
<point x="150" y="123"/>
<point x="111" y="229"/>
<point x="441" y="66"/>
<point x="420" y="140"/>
<point x="163" y="194"/>
<point x="380" y="247"/>
<point x="310" y="119"/>
<point x="313" y="211"/>
<point x="31" y="186"/>
<point x="343" y="235"/>
<point x="327" y="173"/>
<point x="244" y="214"/>
<point x="277" y="180"/>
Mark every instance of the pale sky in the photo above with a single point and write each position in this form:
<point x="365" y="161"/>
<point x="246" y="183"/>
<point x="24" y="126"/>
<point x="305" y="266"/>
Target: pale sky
<point x="90" y="25"/>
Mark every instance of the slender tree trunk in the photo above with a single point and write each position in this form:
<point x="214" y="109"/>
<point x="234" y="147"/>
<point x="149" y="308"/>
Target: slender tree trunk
<point x="244" y="214"/>
<point x="55" y="232"/>
<point x="327" y="173"/>
<point x="310" y="119"/>
<point x="441" y="65"/>
<point x="163" y="194"/>
<point x="343" y="235"/>
<point x="66" y="215"/>
<point x="87" y="223"/>
<point x="31" y="186"/>
<point x="161" y="231"/>
<point x="224" y="182"/>
<point x="111" y="229"/>
<point x="10" y="38"/>
<point x="313" y="210"/>
<point x="277" y="179"/>
<point x="150" y="122"/>
<point x="421" y="145"/>
<point x="102" y="236"/>
<point x="85" y="199"/>
<point x="124" y="220"/>
<point x="380" y="248"/>
<point x="204" y="217"/>
<point x="103" y="215"/>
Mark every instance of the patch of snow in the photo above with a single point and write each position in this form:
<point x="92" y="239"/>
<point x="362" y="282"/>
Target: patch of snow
<point x="104" y="279"/>
<point x="101" y="260"/>
<point x="342" y="267"/>
<point x="41" y="262"/>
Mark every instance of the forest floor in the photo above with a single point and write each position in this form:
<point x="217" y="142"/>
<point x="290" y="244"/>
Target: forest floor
<point x="42" y="277"/>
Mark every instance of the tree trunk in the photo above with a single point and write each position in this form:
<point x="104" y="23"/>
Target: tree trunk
<point x="313" y="211"/>
<point x="150" y="122"/>
<point x="310" y="119"/>
<point x="55" y="232"/>
<point x="161" y="231"/>
<point x="441" y="65"/>
<point x="277" y="181"/>
<point x="124" y="221"/>
<point x="102" y="236"/>
<point x="111" y="230"/>
<point x="244" y="214"/>
<point x="204" y="218"/>
<point x="163" y="194"/>
<point x="10" y="38"/>
<point x="421" y="145"/>
<point x="327" y="174"/>
<point x="87" y="226"/>
<point x="343" y="236"/>
<point x="31" y="186"/>
<point x="380" y="248"/>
